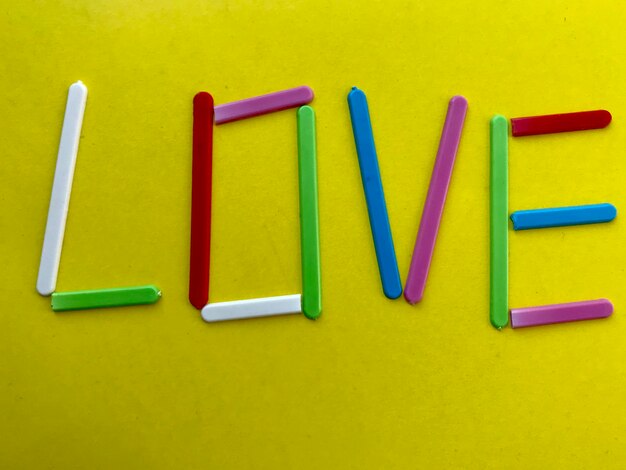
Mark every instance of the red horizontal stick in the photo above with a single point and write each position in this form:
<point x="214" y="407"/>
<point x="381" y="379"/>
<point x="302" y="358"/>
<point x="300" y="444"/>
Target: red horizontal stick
<point x="201" y="184"/>
<point x="553" y="123"/>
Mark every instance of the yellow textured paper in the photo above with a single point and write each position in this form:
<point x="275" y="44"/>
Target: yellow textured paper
<point x="374" y="384"/>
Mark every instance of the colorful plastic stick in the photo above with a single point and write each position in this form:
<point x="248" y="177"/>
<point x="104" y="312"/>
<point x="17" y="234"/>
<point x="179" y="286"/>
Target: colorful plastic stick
<point x="201" y="183"/>
<point x="251" y="308"/>
<point x="309" y="217"/>
<point x="499" y="223"/>
<point x="101" y="298"/>
<point x="374" y="195"/>
<point x="560" y="313"/>
<point x="554" y="123"/>
<point x="263" y="104"/>
<point x="563" y="216"/>
<point x="435" y="200"/>
<point x="61" y="189"/>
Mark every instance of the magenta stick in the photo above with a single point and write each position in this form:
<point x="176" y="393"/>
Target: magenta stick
<point x="264" y="104"/>
<point x="435" y="200"/>
<point x="560" y="313"/>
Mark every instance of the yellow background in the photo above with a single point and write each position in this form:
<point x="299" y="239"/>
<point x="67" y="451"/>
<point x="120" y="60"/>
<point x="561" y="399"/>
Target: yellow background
<point x="374" y="383"/>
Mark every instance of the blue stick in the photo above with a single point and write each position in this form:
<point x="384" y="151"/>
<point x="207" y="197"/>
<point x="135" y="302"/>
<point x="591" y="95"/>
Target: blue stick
<point x="374" y="195"/>
<point x="563" y="216"/>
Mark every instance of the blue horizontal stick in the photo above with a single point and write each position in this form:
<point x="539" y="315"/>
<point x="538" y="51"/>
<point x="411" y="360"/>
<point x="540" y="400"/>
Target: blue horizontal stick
<point x="374" y="195"/>
<point x="563" y="216"/>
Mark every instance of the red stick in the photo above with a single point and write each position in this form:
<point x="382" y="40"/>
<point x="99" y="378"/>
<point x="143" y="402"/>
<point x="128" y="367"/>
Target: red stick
<point x="554" y="123"/>
<point x="201" y="183"/>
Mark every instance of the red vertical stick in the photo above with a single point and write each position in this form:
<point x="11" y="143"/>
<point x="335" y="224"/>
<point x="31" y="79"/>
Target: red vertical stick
<point x="201" y="183"/>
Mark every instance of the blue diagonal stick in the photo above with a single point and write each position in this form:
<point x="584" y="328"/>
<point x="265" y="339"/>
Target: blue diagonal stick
<point x="563" y="216"/>
<point x="374" y="195"/>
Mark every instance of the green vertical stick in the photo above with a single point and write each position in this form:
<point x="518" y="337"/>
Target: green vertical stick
<point x="100" y="298"/>
<point x="309" y="217"/>
<point x="499" y="222"/>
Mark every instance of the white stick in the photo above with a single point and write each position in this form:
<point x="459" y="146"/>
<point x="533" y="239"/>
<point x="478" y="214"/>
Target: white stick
<point x="61" y="189"/>
<point x="252" y="308"/>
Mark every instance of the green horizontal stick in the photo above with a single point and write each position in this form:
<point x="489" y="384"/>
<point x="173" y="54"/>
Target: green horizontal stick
<point x="499" y="223"/>
<point x="309" y="215"/>
<point x="101" y="298"/>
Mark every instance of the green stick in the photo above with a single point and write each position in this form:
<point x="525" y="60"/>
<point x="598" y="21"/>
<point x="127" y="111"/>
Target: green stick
<point x="499" y="223"/>
<point x="99" y="298"/>
<point x="309" y="218"/>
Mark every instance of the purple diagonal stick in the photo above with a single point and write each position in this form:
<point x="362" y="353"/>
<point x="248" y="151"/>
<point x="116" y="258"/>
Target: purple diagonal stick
<point x="435" y="200"/>
<point x="264" y="104"/>
<point x="560" y="313"/>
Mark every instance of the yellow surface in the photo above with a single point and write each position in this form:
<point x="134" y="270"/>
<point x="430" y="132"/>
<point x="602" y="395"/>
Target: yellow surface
<point x="374" y="383"/>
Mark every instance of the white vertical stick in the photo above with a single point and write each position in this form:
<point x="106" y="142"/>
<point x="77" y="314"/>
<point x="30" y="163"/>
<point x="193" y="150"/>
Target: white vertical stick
<point x="61" y="189"/>
<point x="251" y="308"/>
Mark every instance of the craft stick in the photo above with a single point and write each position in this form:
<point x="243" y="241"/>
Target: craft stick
<point x="264" y="104"/>
<point x="201" y="184"/>
<point x="563" y="216"/>
<point x="553" y="123"/>
<point x="101" y="298"/>
<point x="61" y="189"/>
<point x="499" y="223"/>
<point x="309" y="215"/>
<point x="251" y="308"/>
<point x="435" y="200"/>
<point x="374" y="195"/>
<point x="560" y="313"/>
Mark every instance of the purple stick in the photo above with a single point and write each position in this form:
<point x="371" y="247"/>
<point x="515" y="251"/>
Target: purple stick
<point x="250" y="107"/>
<point x="435" y="200"/>
<point x="560" y="313"/>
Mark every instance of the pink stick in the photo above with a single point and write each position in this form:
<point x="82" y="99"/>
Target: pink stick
<point x="292" y="98"/>
<point x="560" y="313"/>
<point x="435" y="200"/>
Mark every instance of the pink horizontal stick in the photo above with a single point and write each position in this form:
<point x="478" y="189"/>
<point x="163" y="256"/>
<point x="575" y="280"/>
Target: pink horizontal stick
<point x="560" y="313"/>
<point x="435" y="200"/>
<point x="264" y="104"/>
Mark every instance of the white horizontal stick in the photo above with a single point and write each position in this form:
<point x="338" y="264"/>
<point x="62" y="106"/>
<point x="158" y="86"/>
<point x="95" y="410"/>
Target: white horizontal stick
<point x="61" y="189"/>
<point x="251" y="308"/>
